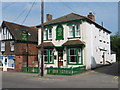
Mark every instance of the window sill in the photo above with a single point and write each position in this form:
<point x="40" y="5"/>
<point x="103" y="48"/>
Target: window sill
<point x="48" y="40"/>
<point x="60" y="39"/>
<point x="73" y="37"/>
<point x="48" y="63"/>
<point x="75" y="64"/>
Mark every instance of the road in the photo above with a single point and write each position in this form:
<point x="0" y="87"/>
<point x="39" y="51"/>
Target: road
<point x="103" y="77"/>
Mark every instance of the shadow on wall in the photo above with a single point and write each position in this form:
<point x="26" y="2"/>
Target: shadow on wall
<point x="93" y="62"/>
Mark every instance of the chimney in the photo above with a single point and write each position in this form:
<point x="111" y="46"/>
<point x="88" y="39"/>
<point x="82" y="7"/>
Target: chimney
<point x="48" y="17"/>
<point x="91" y="16"/>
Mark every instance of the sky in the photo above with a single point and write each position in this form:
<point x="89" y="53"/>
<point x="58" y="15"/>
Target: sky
<point x="106" y="12"/>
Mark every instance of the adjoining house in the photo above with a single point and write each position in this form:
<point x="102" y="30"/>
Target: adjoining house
<point x="113" y="56"/>
<point x="74" y="40"/>
<point x="14" y="43"/>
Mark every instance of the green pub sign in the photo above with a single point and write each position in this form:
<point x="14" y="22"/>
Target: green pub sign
<point x="59" y="32"/>
<point x="24" y="35"/>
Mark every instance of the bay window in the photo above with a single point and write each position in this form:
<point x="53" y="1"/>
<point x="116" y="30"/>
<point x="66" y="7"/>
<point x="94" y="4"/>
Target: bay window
<point x="48" y="56"/>
<point x="74" y="56"/>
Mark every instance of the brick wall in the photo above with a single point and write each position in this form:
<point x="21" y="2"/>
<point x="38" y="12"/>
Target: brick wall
<point x="20" y="48"/>
<point x="21" y="61"/>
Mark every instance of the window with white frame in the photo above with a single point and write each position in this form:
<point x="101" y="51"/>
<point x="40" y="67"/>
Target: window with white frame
<point x="12" y="45"/>
<point x="50" y="33"/>
<point x="71" y="29"/>
<point x="74" y="31"/>
<point x="77" y="30"/>
<point x="44" y="36"/>
<point x="2" y="46"/>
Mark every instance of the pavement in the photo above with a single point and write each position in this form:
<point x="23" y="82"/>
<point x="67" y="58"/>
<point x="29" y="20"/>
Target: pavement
<point x="103" y="77"/>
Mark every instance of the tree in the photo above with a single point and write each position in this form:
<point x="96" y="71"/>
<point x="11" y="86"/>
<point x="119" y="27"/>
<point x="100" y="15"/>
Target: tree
<point x="115" y="45"/>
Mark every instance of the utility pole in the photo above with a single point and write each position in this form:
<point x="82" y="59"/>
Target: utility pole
<point x="27" y="50"/>
<point x="42" y="30"/>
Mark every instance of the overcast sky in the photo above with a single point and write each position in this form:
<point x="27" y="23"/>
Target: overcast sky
<point x="106" y="12"/>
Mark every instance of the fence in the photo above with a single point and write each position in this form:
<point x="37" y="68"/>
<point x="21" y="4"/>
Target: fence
<point x="30" y="69"/>
<point x="56" y="71"/>
<point x="65" y="71"/>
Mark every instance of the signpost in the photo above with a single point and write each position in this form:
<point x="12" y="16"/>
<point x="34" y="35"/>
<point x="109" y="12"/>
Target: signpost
<point x="25" y="38"/>
<point x="24" y="35"/>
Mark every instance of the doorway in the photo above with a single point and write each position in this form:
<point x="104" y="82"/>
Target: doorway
<point x="5" y="63"/>
<point x="103" y="57"/>
<point x="60" y="58"/>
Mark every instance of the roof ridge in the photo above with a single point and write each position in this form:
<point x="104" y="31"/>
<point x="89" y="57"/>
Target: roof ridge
<point x="64" y="16"/>
<point x="17" y="24"/>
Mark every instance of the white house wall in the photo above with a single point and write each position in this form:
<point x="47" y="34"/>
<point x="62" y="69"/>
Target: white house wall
<point x="91" y="36"/>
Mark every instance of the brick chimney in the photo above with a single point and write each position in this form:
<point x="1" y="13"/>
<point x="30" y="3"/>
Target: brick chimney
<point x="48" y="17"/>
<point x="91" y="16"/>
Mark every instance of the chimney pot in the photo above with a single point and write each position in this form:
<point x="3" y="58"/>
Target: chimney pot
<point x="91" y="16"/>
<point x="48" y="17"/>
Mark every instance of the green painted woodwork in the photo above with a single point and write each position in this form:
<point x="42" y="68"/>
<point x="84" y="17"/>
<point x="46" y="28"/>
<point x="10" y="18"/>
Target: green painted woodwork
<point x="30" y="69"/>
<point x="24" y="35"/>
<point x="66" y="22"/>
<point x="74" y="23"/>
<point x="65" y="71"/>
<point x="49" y="57"/>
<point x="56" y="71"/>
<point x="77" y="59"/>
<point x="59" y="32"/>
<point x="48" y="27"/>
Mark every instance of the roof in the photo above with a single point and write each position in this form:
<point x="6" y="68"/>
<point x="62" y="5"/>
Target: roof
<point x="73" y="42"/>
<point x="72" y="17"/>
<point x="46" y="44"/>
<point x="16" y="31"/>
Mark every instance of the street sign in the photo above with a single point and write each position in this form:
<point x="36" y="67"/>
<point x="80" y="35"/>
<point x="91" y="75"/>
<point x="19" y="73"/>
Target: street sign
<point x="24" y="35"/>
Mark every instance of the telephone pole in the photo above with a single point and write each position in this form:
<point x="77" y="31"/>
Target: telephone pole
<point x="42" y="30"/>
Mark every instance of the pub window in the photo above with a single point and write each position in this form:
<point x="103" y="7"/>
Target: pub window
<point x="12" y="46"/>
<point x="2" y="46"/>
<point x="48" y="56"/>
<point x="74" y="56"/>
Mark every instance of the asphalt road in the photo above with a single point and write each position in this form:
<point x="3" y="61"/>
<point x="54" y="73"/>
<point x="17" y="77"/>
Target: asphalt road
<point x="103" y="77"/>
